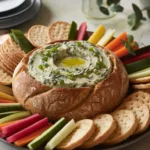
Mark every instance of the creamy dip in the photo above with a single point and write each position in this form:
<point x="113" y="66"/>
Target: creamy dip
<point x="69" y="64"/>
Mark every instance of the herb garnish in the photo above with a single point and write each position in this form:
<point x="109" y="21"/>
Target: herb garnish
<point x="129" y="43"/>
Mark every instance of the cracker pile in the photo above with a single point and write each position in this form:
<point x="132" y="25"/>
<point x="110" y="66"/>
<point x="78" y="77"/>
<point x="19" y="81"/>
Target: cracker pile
<point x="38" y="35"/>
<point x="10" y="56"/>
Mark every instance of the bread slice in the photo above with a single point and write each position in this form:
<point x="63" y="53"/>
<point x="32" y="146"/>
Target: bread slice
<point x="126" y="125"/>
<point x="84" y="130"/>
<point x="104" y="127"/>
<point x="38" y="35"/>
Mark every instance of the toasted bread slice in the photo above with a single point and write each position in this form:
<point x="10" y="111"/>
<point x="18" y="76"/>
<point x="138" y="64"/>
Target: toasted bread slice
<point x="84" y="130"/>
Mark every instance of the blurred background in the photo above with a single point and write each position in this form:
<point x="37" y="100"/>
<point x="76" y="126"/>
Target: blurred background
<point x="48" y="11"/>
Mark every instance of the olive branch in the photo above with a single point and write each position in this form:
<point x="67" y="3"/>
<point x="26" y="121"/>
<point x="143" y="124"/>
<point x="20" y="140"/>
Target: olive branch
<point x="134" y="19"/>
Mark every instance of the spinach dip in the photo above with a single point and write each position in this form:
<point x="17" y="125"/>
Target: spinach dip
<point x="69" y="64"/>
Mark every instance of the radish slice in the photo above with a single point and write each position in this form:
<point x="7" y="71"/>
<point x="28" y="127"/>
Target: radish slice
<point x="81" y="31"/>
<point x="36" y="126"/>
<point x="19" y="125"/>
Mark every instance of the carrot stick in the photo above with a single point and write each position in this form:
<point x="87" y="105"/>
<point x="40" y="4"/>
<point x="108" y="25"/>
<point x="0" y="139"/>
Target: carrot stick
<point x="117" y="41"/>
<point x="119" y="47"/>
<point x="5" y="124"/>
<point x="6" y="101"/>
<point x="25" y="140"/>
<point x="124" y="51"/>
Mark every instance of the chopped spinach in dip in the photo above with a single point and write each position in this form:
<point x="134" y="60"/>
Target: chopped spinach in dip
<point x="69" y="64"/>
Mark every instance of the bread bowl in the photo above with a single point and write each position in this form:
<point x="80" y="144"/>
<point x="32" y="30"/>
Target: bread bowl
<point x="70" y="99"/>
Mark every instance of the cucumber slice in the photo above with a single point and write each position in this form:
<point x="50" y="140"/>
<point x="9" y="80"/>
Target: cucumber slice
<point x="138" y="65"/>
<point x="19" y="115"/>
<point x="140" y="74"/>
<point x="48" y="134"/>
<point x="61" y="135"/>
<point x="7" y="113"/>
<point x="5" y="107"/>
<point x="72" y="31"/>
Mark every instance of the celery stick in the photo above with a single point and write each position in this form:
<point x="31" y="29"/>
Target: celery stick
<point x="139" y="74"/>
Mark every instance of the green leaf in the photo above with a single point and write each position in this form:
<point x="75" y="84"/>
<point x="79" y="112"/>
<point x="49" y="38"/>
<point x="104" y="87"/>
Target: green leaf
<point x="148" y="12"/>
<point x="117" y="8"/>
<point x="104" y="10"/>
<point x="109" y="2"/>
<point x="135" y="44"/>
<point x="130" y="38"/>
<point x="116" y="1"/>
<point x="129" y="48"/>
<point x="99" y="2"/>
<point x="133" y="21"/>
<point x="143" y="18"/>
<point x="137" y="11"/>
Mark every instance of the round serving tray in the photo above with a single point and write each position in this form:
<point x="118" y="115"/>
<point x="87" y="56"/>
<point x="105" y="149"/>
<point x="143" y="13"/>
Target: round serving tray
<point x="121" y="146"/>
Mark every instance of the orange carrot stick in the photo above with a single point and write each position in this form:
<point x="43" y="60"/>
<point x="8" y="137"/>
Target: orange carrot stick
<point x="25" y="140"/>
<point x="124" y="51"/>
<point x="117" y="41"/>
<point x="5" y="124"/>
<point x="119" y="47"/>
<point x="6" y="101"/>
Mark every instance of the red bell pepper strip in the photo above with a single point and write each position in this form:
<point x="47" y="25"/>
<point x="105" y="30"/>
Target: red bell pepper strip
<point x="136" y="58"/>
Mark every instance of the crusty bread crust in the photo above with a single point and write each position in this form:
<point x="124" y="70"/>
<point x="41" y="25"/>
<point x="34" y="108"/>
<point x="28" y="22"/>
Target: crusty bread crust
<point x="76" y="103"/>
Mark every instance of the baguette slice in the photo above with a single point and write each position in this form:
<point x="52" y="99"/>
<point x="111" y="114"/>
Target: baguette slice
<point x="84" y="130"/>
<point x="104" y="127"/>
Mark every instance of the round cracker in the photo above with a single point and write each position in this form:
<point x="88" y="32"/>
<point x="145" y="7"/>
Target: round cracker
<point x="17" y="48"/>
<point x="9" y="54"/>
<point x="84" y="130"/>
<point x="104" y="127"/>
<point x="4" y="59"/>
<point x="140" y="96"/>
<point x="59" y="31"/>
<point x="14" y="53"/>
<point x="38" y="35"/>
<point x="141" y="86"/>
<point x="3" y="63"/>
<point x="126" y="125"/>
<point x="5" y="78"/>
<point x="141" y="113"/>
<point x="141" y="80"/>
